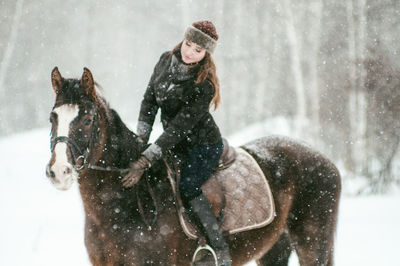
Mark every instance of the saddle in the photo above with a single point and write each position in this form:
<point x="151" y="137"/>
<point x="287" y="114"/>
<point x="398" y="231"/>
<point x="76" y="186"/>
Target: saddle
<point x="238" y="192"/>
<point x="228" y="155"/>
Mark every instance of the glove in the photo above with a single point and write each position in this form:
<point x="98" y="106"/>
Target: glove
<point x="135" y="172"/>
<point x="143" y="131"/>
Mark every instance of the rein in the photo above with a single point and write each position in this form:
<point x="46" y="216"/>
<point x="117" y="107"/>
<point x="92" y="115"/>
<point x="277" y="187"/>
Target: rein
<point x="140" y="205"/>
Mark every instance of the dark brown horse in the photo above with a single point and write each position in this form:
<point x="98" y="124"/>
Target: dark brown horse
<point x="140" y="226"/>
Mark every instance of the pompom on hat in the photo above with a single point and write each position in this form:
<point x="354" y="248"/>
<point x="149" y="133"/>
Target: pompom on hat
<point x="204" y="34"/>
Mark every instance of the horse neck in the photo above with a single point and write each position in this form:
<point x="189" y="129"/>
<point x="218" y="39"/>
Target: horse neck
<point x="115" y="146"/>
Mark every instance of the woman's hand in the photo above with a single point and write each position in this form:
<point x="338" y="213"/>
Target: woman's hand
<point x="135" y="172"/>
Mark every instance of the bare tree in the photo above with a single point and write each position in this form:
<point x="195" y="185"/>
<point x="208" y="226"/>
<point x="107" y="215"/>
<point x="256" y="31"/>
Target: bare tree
<point x="313" y="58"/>
<point x="362" y="97"/>
<point x="357" y="99"/>
<point x="262" y="68"/>
<point x="383" y="85"/>
<point x="295" y="50"/>
<point x="237" y="67"/>
<point x="350" y="160"/>
<point x="5" y="62"/>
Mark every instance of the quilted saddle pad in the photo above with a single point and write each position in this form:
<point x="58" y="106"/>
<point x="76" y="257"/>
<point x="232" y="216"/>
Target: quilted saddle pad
<point x="247" y="198"/>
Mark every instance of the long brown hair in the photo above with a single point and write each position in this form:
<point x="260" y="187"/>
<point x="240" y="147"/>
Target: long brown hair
<point x="208" y="71"/>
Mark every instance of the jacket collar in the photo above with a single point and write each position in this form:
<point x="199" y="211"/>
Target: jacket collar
<point x="180" y="71"/>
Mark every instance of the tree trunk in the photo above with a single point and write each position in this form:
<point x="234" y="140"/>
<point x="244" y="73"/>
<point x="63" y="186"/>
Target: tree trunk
<point x="237" y="94"/>
<point x="350" y="160"/>
<point x="357" y="161"/>
<point x="5" y="63"/>
<point x="7" y="124"/>
<point x="295" y="48"/>
<point x="362" y="97"/>
<point x="254" y="92"/>
<point x="316" y="7"/>
<point x="262" y="67"/>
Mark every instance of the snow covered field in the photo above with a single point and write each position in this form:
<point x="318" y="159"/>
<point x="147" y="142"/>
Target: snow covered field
<point x="43" y="226"/>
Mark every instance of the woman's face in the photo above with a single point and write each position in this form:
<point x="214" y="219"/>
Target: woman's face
<point x="191" y="52"/>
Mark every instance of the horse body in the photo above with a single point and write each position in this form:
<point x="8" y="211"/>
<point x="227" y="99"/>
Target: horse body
<point x="118" y="227"/>
<point x="306" y="188"/>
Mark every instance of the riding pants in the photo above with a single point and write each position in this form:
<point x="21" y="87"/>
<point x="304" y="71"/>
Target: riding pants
<point x="200" y="162"/>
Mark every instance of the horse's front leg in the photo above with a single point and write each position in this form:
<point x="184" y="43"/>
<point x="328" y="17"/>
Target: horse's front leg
<point x="94" y="245"/>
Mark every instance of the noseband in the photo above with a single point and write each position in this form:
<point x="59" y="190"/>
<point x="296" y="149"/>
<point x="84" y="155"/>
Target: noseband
<point x="79" y="155"/>
<point x="76" y="152"/>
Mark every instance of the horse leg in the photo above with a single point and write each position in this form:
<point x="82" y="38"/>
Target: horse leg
<point x="94" y="246"/>
<point x="279" y="254"/>
<point x="314" y="245"/>
<point x="96" y="258"/>
<point x="312" y="227"/>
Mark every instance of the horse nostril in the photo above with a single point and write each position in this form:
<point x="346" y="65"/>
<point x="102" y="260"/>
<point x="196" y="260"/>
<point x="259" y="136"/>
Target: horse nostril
<point x="50" y="173"/>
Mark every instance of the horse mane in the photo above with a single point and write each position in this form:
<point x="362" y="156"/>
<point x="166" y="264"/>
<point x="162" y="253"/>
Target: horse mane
<point x="120" y="136"/>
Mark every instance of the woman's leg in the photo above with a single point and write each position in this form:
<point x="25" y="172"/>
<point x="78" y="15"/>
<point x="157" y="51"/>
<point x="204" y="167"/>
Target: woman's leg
<point x="198" y="167"/>
<point x="200" y="162"/>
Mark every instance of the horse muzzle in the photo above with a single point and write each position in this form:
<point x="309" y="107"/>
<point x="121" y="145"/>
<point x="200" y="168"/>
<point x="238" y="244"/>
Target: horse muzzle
<point x="62" y="176"/>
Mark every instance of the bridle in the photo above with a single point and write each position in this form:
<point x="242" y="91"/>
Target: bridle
<point x="76" y="152"/>
<point x="79" y="155"/>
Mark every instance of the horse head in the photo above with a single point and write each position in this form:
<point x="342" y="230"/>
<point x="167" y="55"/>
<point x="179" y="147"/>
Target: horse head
<point x="74" y="127"/>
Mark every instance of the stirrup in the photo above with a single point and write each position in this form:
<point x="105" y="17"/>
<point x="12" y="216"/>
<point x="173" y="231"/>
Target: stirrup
<point x="205" y="248"/>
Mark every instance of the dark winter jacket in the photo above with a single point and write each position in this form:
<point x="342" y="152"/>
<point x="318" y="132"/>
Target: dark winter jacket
<point x="184" y="107"/>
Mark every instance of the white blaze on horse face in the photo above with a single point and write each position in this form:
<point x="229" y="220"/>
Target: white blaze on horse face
<point x="64" y="171"/>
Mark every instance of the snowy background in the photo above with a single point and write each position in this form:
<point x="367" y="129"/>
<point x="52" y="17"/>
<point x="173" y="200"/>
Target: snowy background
<point x="42" y="226"/>
<point x="325" y="72"/>
<point x="330" y="68"/>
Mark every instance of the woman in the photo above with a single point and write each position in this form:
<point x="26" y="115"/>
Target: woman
<point x="184" y="85"/>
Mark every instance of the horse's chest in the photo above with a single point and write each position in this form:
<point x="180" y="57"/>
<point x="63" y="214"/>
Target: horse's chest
<point x="126" y="245"/>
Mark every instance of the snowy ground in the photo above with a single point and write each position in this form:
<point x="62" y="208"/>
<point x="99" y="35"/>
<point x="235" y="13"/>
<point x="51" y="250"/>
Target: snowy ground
<point x="43" y="226"/>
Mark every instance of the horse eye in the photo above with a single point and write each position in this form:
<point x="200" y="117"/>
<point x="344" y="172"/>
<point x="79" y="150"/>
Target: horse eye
<point x="87" y="122"/>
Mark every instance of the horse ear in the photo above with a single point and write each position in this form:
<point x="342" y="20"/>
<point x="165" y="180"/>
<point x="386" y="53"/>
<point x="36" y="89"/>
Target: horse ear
<point x="56" y="80"/>
<point x="87" y="83"/>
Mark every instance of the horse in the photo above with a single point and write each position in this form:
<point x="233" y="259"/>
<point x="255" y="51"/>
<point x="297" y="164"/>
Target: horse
<point x="90" y="144"/>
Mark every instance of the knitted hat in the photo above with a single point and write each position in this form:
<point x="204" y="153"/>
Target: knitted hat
<point x="204" y="34"/>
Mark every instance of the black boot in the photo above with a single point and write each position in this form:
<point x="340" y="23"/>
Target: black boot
<point x="201" y="207"/>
